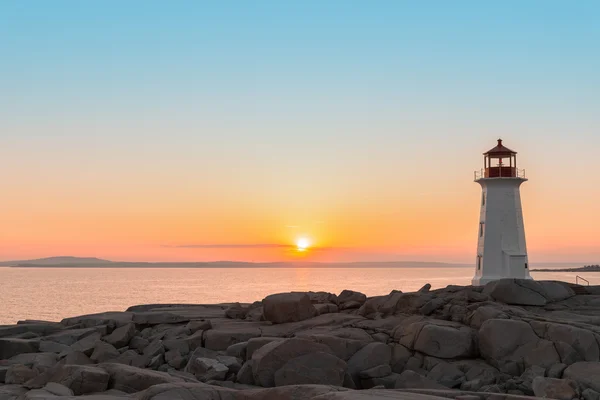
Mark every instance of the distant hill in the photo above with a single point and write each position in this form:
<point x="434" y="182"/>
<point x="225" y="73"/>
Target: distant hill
<point x="54" y="261"/>
<point x="89" y="262"/>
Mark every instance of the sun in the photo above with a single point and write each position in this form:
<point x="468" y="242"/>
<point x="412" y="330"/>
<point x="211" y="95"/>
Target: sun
<point x="302" y="244"/>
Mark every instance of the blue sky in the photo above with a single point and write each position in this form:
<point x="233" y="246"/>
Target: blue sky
<point x="300" y="102"/>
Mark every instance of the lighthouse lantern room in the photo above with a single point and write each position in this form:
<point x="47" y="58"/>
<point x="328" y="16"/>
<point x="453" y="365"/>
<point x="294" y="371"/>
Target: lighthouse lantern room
<point x="501" y="247"/>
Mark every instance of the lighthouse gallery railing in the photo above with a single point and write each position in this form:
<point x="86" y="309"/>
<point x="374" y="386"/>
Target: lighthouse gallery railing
<point x="499" y="172"/>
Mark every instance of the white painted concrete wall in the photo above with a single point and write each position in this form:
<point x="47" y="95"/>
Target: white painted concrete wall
<point x="501" y="250"/>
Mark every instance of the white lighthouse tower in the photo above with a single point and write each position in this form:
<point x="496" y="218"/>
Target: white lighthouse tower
<point x="501" y="248"/>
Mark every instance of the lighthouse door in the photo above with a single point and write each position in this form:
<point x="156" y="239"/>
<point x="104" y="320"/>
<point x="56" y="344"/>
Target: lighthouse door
<point x="518" y="266"/>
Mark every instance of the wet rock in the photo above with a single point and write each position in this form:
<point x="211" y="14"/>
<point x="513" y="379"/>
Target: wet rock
<point x="288" y="307"/>
<point x="316" y="368"/>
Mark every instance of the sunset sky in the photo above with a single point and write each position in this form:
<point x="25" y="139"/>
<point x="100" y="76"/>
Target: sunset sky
<point x="229" y="130"/>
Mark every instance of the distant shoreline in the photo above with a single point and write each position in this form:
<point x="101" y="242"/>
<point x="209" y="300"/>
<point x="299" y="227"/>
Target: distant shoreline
<point x="588" y="268"/>
<point x="246" y="266"/>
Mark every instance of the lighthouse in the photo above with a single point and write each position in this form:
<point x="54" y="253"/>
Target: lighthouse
<point x="501" y="248"/>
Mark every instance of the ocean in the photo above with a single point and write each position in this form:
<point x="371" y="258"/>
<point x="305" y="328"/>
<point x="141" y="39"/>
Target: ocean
<point x="54" y="293"/>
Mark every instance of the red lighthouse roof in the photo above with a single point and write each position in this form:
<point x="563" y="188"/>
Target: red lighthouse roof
<point x="500" y="150"/>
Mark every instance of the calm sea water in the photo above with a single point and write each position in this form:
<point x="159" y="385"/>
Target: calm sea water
<point x="54" y="293"/>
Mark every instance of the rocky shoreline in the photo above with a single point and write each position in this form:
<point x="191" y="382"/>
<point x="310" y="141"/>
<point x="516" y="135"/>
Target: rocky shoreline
<point x="508" y="340"/>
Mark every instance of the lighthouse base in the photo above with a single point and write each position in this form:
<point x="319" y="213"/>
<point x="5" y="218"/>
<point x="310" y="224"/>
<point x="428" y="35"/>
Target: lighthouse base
<point x="484" y="280"/>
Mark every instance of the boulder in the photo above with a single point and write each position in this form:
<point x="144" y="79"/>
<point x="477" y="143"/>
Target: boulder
<point x="590" y="394"/>
<point x="245" y="375"/>
<point x="400" y="356"/>
<point x="77" y="358"/>
<point x="175" y="359"/>
<point x="58" y="390"/>
<point x="10" y="347"/>
<point x="387" y="382"/>
<point x="315" y="368"/>
<point x="412" y="380"/>
<point x="81" y="379"/>
<point x="559" y="389"/>
<point x="499" y="338"/>
<point x="527" y="292"/>
<point x="351" y="299"/>
<point x="205" y="369"/>
<point x="376" y="372"/>
<point x="47" y="346"/>
<point x="237" y="350"/>
<point x="184" y="345"/>
<point x="585" y="374"/>
<point x="130" y="379"/>
<point x="232" y="363"/>
<point x="222" y="338"/>
<point x="112" y="318"/>
<point x="71" y="336"/>
<point x="447" y="375"/>
<point x="370" y="356"/>
<point x="158" y="317"/>
<point x="41" y="361"/>
<point x="271" y="357"/>
<point x="199" y="325"/>
<point x="18" y="374"/>
<point x="258" y="342"/>
<point x="582" y="340"/>
<point x="288" y="307"/>
<point x="138" y="343"/>
<point x="236" y="311"/>
<point x="121" y="336"/>
<point x="87" y="344"/>
<point x="326" y="308"/>
<point x="341" y="347"/>
<point x="104" y="352"/>
<point x="446" y="341"/>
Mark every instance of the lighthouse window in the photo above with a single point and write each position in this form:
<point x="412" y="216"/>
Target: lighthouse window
<point x="480" y="229"/>
<point x="483" y="199"/>
<point x="525" y="265"/>
<point x="478" y="262"/>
